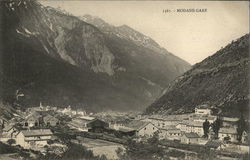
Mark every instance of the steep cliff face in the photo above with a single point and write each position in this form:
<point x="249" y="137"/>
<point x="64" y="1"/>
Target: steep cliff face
<point x="221" y="80"/>
<point x="139" y="53"/>
<point x="56" y="58"/>
<point x="62" y="36"/>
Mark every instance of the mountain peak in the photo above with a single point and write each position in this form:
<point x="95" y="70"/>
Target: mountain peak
<point x="55" y="57"/>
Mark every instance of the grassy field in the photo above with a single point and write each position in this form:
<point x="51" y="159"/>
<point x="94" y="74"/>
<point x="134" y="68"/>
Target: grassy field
<point x="7" y="157"/>
<point x="101" y="147"/>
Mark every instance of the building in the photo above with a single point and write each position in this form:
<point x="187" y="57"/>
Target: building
<point x="97" y="125"/>
<point x="228" y="134"/>
<point x="143" y="128"/>
<point x="125" y="131"/>
<point x="50" y="120"/>
<point x="244" y="138"/>
<point x="191" y="126"/>
<point x="203" y="110"/>
<point x="174" y="134"/>
<point x="229" y="121"/>
<point x="79" y="124"/>
<point x="32" y="120"/>
<point x="159" y="122"/>
<point x="8" y="132"/>
<point x="199" y="118"/>
<point x="162" y="122"/>
<point x="170" y="132"/>
<point x="190" y="138"/>
<point x="33" y="138"/>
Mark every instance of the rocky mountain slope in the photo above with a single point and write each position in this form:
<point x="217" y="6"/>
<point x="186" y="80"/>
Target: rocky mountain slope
<point x="60" y="60"/>
<point x="221" y="80"/>
<point x="140" y="50"/>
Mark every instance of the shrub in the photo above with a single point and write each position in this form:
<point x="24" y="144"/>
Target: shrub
<point x="11" y="141"/>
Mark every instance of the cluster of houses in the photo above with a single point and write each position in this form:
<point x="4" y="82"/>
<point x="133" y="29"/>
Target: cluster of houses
<point x="186" y="128"/>
<point x="27" y="138"/>
<point x="34" y="130"/>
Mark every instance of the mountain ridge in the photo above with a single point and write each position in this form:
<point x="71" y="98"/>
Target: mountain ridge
<point x="57" y="59"/>
<point x="220" y="80"/>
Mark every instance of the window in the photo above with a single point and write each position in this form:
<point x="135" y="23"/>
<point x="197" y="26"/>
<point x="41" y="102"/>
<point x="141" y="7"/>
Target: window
<point x="145" y="128"/>
<point x="153" y="128"/>
<point x="26" y="124"/>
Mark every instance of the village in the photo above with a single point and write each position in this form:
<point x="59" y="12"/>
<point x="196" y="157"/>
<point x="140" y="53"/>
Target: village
<point x="46" y="129"/>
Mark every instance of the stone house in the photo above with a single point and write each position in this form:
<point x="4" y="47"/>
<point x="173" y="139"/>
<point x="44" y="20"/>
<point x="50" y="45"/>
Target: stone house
<point x="190" y="138"/>
<point x="33" y="138"/>
<point x="142" y="128"/>
<point x="50" y="120"/>
<point x="229" y="134"/>
<point x="170" y="132"/>
<point x="191" y="126"/>
<point x="32" y="120"/>
<point x="203" y="110"/>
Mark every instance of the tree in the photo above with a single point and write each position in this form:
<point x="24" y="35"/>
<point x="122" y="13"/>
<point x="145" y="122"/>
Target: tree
<point x="149" y="150"/>
<point x="206" y="126"/>
<point x="11" y="141"/>
<point x="241" y="127"/>
<point x="216" y="125"/>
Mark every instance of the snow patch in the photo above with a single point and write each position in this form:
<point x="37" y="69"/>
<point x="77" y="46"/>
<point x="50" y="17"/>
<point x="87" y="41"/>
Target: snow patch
<point x="148" y="81"/>
<point x="46" y="48"/>
<point x="122" y="69"/>
<point x="51" y="27"/>
<point x="30" y="33"/>
<point x="22" y="33"/>
<point x="27" y="31"/>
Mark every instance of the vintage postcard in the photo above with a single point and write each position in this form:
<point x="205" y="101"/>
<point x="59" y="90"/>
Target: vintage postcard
<point x="124" y="80"/>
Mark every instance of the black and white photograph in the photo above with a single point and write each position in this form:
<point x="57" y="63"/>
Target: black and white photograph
<point x="124" y="80"/>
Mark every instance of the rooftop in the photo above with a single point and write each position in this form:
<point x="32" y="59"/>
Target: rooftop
<point x="230" y="119"/>
<point x="8" y="127"/>
<point x="204" y="117"/>
<point x="137" y="125"/>
<point x="191" y="135"/>
<point x="158" y="119"/>
<point x="36" y="132"/>
<point x="169" y="127"/>
<point x="174" y="131"/>
<point x="203" y="106"/>
<point x="125" y="129"/>
<point x="34" y="115"/>
<point x="87" y="118"/>
<point x="49" y="117"/>
<point x="214" y="143"/>
<point x="228" y="130"/>
<point x="192" y="123"/>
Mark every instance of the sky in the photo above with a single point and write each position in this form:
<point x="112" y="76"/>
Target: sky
<point x="192" y="36"/>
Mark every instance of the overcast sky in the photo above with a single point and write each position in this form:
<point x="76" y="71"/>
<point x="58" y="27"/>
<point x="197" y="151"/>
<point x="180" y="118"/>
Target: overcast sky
<point x="191" y="36"/>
